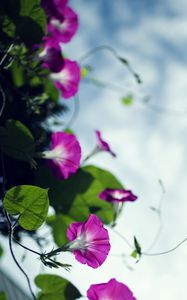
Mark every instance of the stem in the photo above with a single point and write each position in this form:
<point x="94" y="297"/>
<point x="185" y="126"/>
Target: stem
<point x="56" y="251"/>
<point x="3" y="101"/>
<point x="167" y="251"/>
<point x="15" y="259"/>
<point x="25" y="247"/>
<point x="151" y="106"/>
<point x="6" y="54"/>
<point x="93" y="152"/>
<point x="11" y="232"/>
<point x="123" y="238"/>
<point x="115" y="54"/>
<point x="75" y="112"/>
<point x="159" y="211"/>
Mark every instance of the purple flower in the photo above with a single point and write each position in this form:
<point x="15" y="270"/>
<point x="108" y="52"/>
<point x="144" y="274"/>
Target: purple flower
<point x="102" y="145"/>
<point x="89" y="241"/>
<point x="117" y="195"/>
<point x="64" y="155"/>
<point x="112" y="290"/>
<point x="52" y="58"/>
<point x="61" y="30"/>
<point x="67" y="80"/>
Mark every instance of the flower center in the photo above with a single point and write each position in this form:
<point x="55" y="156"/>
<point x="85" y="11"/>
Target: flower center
<point x="61" y="26"/>
<point x="57" y="154"/>
<point x="79" y="243"/>
<point x="117" y="195"/>
<point x="62" y="76"/>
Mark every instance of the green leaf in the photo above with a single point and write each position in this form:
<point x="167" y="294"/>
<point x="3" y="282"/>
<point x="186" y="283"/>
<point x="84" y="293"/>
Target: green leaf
<point x="78" y="196"/>
<point x="134" y="254"/>
<point x="17" y="74"/>
<point x="31" y="203"/>
<point x="56" y="288"/>
<point x="85" y="70"/>
<point x="137" y="251"/>
<point x="127" y="100"/>
<point x="3" y="296"/>
<point x="137" y="246"/>
<point x="17" y="141"/>
<point x="1" y="251"/>
<point x="59" y="224"/>
<point x="24" y="18"/>
<point x="50" y="90"/>
<point x="68" y="130"/>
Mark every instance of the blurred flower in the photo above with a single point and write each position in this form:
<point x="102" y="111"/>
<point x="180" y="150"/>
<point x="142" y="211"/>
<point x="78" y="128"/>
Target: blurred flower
<point x="112" y="290"/>
<point x="89" y="241"/>
<point x="102" y="145"/>
<point x="117" y="195"/>
<point x="67" y="80"/>
<point x="61" y="29"/>
<point x="52" y="58"/>
<point x="64" y="155"/>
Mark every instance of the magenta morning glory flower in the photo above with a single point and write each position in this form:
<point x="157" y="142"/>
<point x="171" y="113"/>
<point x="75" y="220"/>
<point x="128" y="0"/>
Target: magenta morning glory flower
<point x="52" y="58"/>
<point x="103" y="145"/>
<point x="67" y="80"/>
<point x="62" y="30"/>
<point x="117" y="195"/>
<point x="112" y="290"/>
<point x="89" y="241"/>
<point x="64" y="155"/>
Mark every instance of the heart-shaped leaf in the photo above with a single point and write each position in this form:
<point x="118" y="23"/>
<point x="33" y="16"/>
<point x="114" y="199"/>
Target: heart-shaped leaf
<point x="55" y="287"/>
<point x="31" y="203"/>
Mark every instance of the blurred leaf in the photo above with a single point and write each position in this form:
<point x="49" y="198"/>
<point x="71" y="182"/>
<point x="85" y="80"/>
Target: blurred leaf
<point x="8" y="27"/>
<point x="68" y="130"/>
<point x="1" y="251"/>
<point x="127" y="100"/>
<point x="85" y="70"/>
<point x="134" y="254"/>
<point x="50" y="90"/>
<point x="24" y="18"/>
<point x="3" y="296"/>
<point x="55" y="287"/>
<point x="63" y="192"/>
<point x="17" y="141"/>
<point x="78" y="196"/>
<point x="17" y="74"/>
<point x="59" y="224"/>
<point x="31" y="203"/>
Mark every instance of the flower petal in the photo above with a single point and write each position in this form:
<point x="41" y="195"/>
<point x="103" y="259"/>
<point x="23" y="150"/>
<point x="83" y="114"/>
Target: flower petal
<point x="103" y="145"/>
<point x="112" y="290"/>
<point x="67" y="80"/>
<point x="62" y="30"/>
<point x="64" y="155"/>
<point x="89" y="241"/>
<point x="117" y="195"/>
<point x="52" y="58"/>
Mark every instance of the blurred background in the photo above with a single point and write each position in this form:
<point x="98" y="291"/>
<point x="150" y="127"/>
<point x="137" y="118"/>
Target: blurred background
<point x="147" y="133"/>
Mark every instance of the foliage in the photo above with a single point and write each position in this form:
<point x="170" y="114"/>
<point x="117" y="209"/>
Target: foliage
<point x="30" y="203"/>
<point x="3" y="296"/>
<point x="55" y="287"/>
<point x="1" y="251"/>
<point x="16" y="140"/>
